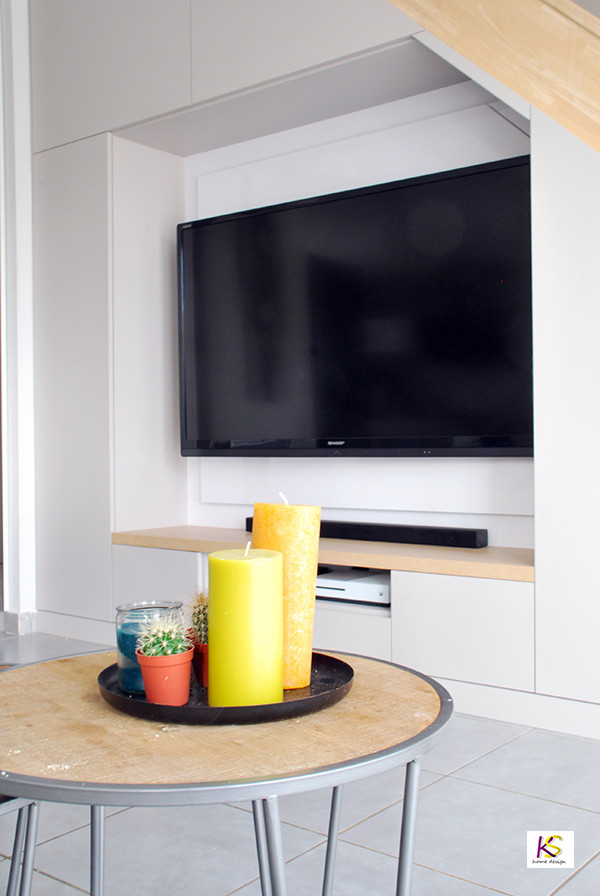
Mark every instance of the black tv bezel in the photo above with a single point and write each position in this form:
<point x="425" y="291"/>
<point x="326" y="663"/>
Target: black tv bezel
<point x="518" y="445"/>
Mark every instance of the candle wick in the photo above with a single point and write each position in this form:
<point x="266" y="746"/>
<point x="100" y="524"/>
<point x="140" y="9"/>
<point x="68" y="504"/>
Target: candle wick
<point x="283" y="498"/>
<point x="247" y="548"/>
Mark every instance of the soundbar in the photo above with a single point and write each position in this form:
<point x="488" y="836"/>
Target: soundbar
<point x="441" y="536"/>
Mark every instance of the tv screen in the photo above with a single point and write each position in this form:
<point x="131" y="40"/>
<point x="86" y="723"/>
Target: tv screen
<point x="384" y="321"/>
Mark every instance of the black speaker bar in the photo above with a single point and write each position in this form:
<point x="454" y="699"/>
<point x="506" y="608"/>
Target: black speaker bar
<point x="442" y="536"/>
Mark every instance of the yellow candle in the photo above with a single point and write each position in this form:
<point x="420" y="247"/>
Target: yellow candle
<point x="245" y="628"/>
<point x="293" y="530"/>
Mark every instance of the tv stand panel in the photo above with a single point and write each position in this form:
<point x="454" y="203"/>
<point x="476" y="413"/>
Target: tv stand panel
<point x="508" y="564"/>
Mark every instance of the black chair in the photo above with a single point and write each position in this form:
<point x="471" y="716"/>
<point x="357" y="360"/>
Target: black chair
<point x="21" y="866"/>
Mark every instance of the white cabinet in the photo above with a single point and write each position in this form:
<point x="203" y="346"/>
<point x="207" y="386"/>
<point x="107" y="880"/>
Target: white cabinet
<point x="353" y="628"/>
<point x="151" y="574"/>
<point x="105" y="367"/>
<point x="237" y="44"/>
<point x="99" y="66"/>
<point x="464" y="628"/>
<point x="72" y="396"/>
<point x="565" y="201"/>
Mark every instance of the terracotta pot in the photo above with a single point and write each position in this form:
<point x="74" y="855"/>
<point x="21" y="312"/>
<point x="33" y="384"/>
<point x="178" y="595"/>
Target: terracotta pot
<point x="167" y="678"/>
<point x="200" y="663"/>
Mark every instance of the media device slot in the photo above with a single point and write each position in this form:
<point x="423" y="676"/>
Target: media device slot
<point x="357" y="586"/>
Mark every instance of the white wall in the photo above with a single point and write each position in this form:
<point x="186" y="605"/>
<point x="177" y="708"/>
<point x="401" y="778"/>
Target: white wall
<point x="566" y="227"/>
<point x="16" y="288"/>
<point x="448" y="128"/>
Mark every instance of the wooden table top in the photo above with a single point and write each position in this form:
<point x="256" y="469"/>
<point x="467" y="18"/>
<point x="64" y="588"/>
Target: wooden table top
<point x="56" y="728"/>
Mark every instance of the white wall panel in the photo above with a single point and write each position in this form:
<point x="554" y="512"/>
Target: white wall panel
<point x="566" y="227"/>
<point x="71" y="332"/>
<point x="150" y="476"/>
<point x="97" y="66"/>
<point x="435" y="143"/>
<point x="431" y="485"/>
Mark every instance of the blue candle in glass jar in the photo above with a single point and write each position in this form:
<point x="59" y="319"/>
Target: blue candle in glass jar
<point x="129" y="621"/>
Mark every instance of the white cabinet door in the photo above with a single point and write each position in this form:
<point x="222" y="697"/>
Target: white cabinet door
<point x="153" y="574"/>
<point x="72" y="398"/>
<point x="353" y="628"/>
<point x="475" y="630"/>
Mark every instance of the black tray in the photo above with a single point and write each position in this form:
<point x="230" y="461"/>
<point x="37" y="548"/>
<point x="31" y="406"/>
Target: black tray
<point x="331" y="679"/>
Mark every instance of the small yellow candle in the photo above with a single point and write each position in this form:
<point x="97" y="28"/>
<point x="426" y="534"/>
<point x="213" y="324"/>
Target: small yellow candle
<point x="245" y="628"/>
<point x="294" y="530"/>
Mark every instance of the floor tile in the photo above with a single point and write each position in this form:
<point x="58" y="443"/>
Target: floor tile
<point x="479" y="833"/>
<point x="163" y="849"/>
<point x="360" y="799"/>
<point x="41" y="885"/>
<point x="585" y="882"/>
<point x="544" y="764"/>
<point x="469" y="738"/>
<point x="361" y="872"/>
<point x="55" y="819"/>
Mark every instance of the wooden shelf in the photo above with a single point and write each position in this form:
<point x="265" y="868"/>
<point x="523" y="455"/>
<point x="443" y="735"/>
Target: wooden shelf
<point x="510" y="564"/>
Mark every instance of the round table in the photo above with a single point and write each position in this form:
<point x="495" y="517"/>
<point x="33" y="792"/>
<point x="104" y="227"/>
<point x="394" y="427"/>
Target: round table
<point x="64" y="743"/>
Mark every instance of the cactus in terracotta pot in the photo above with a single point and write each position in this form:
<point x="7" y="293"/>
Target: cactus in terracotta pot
<point x="163" y="637"/>
<point x="199" y="630"/>
<point x="165" y="653"/>
<point x="199" y="621"/>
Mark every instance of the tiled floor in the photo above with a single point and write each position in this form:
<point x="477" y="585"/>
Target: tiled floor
<point x="483" y="788"/>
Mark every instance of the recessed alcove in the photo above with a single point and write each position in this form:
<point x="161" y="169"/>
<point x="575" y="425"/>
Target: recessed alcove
<point x="393" y="112"/>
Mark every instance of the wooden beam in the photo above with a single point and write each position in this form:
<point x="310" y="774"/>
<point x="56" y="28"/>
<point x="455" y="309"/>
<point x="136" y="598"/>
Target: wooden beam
<point x="547" y="51"/>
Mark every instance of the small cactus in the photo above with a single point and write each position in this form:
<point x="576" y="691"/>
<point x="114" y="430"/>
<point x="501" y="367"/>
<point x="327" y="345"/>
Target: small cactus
<point x="163" y="637"/>
<point x="199" y="620"/>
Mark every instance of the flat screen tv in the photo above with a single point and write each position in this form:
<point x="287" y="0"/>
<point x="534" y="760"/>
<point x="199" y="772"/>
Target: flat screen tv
<point x="389" y="320"/>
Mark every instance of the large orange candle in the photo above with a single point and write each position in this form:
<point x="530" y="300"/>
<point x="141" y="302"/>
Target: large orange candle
<point x="245" y="628"/>
<point x="294" y="531"/>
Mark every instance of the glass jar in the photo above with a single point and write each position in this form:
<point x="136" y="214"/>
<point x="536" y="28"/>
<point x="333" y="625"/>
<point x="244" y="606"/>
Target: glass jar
<point x="129" y="621"/>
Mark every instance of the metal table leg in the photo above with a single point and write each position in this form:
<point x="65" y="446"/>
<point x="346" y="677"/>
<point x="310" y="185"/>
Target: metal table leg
<point x="23" y="851"/>
<point x="29" y="851"/>
<point x="96" y="850"/>
<point x="261" y="848"/>
<point x="15" y="865"/>
<point x="332" y="836"/>
<point x="274" y="846"/>
<point x="409" y="824"/>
